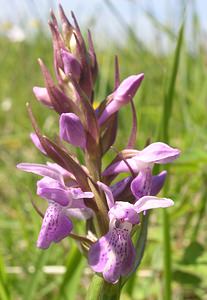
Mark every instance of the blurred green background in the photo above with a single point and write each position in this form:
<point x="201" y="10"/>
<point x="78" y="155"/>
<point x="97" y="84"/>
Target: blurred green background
<point x="171" y="104"/>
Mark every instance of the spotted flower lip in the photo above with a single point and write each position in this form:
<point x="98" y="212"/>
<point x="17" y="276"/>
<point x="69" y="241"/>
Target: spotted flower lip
<point x="55" y="226"/>
<point x="113" y="254"/>
<point x="155" y="153"/>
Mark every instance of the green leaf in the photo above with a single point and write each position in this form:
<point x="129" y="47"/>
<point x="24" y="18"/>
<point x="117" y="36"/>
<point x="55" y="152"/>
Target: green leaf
<point x="192" y="253"/>
<point x="186" y="278"/>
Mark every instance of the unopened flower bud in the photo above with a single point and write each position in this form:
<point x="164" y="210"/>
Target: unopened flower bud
<point x="71" y="65"/>
<point x="122" y="95"/>
<point x="71" y="130"/>
<point x="42" y="95"/>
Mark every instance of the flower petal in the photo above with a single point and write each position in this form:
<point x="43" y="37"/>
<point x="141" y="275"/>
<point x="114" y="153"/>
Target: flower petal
<point x="128" y="88"/>
<point x="37" y="143"/>
<point x="61" y="170"/>
<point x="159" y="153"/>
<point x="42" y="95"/>
<point x="129" y="259"/>
<point x="71" y="65"/>
<point x="98" y="254"/>
<point x="149" y="202"/>
<point x="51" y="189"/>
<point x="55" y="227"/>
<point x="113" y="254"/>
<point x="120" y="186"/>
<point x="158" y="182"/>
<point x="124" y="211"/>
<point x="122" y="95"/>
<point x="40" y="169"/>
<point x="108" y="193"/>
<point x="79" y="213"/>
<point x="77" y="193"/>
<point x="121" y="167"/>
<point x="141" y="185"/>
<point x="71" y="130"/>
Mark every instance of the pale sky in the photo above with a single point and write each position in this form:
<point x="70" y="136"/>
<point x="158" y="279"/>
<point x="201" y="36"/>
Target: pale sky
<point x="97" y="15"/>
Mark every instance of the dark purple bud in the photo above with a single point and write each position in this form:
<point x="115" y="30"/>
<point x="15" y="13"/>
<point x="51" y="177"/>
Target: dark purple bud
<point x="71" y="130"/>
<point x="71" y="65"/>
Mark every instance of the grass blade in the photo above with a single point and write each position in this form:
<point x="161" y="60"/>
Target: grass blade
<point x="32" y="287"/>
<point x="167" y="112"/>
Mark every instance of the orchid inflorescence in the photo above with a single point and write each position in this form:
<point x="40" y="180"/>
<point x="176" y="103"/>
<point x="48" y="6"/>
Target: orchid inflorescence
<point x="112" y="209"/>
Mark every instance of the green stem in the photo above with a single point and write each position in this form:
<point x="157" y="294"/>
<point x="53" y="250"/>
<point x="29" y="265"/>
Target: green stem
<point x="167" y="256"/>
<point x="99" y="289"/>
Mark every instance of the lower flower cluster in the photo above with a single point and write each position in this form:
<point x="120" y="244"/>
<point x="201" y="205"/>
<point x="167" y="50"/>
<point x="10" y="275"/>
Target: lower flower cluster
<point x="73" y="190"/>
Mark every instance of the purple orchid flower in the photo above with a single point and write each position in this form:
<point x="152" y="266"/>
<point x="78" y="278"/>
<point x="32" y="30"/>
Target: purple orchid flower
<point x="65" y="200"/>
<point x="114" y="254"/>
<point x="155" y="153"/>
<point x="142" y="163"/>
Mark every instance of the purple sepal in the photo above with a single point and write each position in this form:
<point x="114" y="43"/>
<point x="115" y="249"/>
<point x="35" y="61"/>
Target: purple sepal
<point x="158" y="182"/>
<point x="113" y="254"/>
<point x="55" y="227"/>
<point x="79" y="210"/>
<point x="108" y="194"/>
<point x="121" y="167"/>
<point x="54" y="190"/>
<point x="71" y="130"/>
<point x="150" y="202"/>
<point x="42" y="95"/>
<point x="120" y="187"/>
<point x="159" y="153"/>
<point x="42" y="170"/>
<point x="128" y="88"/>
<point x="122" y="95"/>
<point x="71" y="65"/>
<point x="141" y="185"/>
<point x="37" y="143"/>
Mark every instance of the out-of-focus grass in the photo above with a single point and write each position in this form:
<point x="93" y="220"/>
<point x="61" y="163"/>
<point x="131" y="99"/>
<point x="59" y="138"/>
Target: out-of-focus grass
<point x="19" y="223"/>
